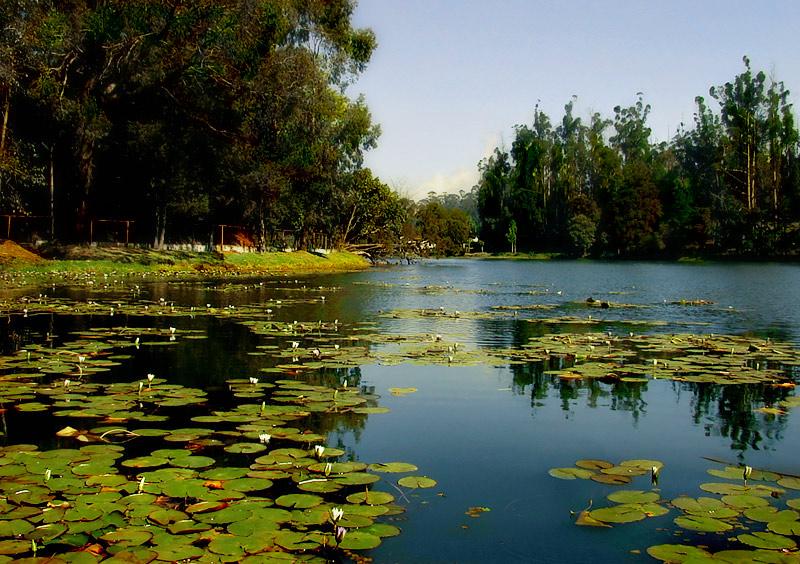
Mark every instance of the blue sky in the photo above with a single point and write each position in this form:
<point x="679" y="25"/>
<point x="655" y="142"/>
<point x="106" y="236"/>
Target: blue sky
<point x="450" y="79"/>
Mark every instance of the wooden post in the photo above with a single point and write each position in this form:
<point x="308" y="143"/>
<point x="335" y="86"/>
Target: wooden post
<point x="91" y="231"/>
<point x="222" y="238"/>
<point x="127" y="225"/>
<point x="8" y="230"/>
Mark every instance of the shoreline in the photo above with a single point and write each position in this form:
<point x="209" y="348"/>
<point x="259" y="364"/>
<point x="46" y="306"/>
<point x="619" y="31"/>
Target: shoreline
<point x="171" y="265"/>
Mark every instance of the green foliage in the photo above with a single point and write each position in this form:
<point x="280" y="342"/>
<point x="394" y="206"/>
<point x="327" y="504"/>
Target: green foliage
<point x="445" y="230"/>
<point x="188" y="116"/>
<point x="581" y="230"/>
<point x="729" y="185"/>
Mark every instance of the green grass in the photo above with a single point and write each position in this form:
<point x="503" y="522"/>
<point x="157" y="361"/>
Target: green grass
<point x="296" y="261"/>
<point x="164" y="264"/>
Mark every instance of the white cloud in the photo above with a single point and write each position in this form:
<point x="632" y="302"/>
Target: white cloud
<point x="451" y="182"/>
<point x="448" y="182"/>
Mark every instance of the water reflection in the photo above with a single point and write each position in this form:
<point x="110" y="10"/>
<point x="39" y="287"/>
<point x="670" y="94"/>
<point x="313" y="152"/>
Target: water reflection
<point x="728" y="411"/>
<point x="732" y="412"/>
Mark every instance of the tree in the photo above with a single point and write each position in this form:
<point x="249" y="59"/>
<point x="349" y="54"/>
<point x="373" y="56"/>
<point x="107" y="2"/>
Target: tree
<point x="581" y="231"/>
<point x="511" y="236"/>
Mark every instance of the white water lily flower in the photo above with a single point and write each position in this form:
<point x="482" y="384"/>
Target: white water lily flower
<point x="337" y="513"/>
<point x="253" y="380"/>
<point x="172" y="330"/>
<point x="47" y="474"/>
<point x="67" y="383"/>
<point x="344" y="384"/>
<point x="141" y="385"/>
<point x="295" y="344"/>
<point x="318" y="450"/>
<point x="264" y="438"/>
<point x="141" y="485"/>
<point x="336" y="347"/>
<point x="328" y="468"/>
<point x="151" y="377"/>
<point x="81" y="358"/>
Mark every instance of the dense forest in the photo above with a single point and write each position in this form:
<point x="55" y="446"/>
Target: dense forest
<point x="729" y="184"/>
<point x="182" y="115"/>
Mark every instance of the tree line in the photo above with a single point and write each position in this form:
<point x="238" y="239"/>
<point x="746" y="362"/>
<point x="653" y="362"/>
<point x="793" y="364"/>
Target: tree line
<point x="728" y="184"/>
<point x="184" y="114"/>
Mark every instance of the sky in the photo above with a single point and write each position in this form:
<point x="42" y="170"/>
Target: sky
<point x="450" y="78"/>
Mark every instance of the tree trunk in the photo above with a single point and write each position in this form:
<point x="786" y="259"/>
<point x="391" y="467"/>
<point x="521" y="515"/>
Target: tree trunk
<point x="6" y="111"/>
<point x="52" y="197"/>
<point x="161" y="226"/>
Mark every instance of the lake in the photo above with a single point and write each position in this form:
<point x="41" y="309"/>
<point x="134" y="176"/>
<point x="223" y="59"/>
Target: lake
<point x="474" y="361"/>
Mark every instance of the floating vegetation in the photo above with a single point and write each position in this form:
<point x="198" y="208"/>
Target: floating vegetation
<point x="748" y="516"/>
<point x="608" y="473"/>
<point x="217" y="483"/>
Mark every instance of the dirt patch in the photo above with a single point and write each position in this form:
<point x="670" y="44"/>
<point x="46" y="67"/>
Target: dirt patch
<point x="10" y="251"/>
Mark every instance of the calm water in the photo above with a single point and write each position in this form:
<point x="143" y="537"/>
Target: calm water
<point x="490" y="435"/>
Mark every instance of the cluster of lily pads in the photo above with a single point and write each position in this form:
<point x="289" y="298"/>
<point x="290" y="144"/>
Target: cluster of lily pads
<point x="717" y="359"/>
<point x="248" y="482"/>
<point x="750" y="513"/>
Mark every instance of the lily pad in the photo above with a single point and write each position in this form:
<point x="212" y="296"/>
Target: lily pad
<point x="633" y="496"/>
<point x="391" y="467"/>
<point x="570" y="473"/>
<point x="625" y="513"/>
<point x="769" y="541"/>
<point x="704" y="524"/>
<point x="611" y="479"/>
<point x="245" y="448"/>
<point x="178" y="552"/>
<point x="13" y="547"/>
<point x="744" y="501"/>
<point x="371" y="498"/>
<point x="299" y="501"/>
<point x="790" y="482"/>
<point x="128" y="537"/>
<point x="416" y="482"/>
<point x="785" y="527"/>
<point x="359" y="540"/>
<point x="589" y="464"/>
<point x="705" y="507"/>
<point x="677" y="552"/>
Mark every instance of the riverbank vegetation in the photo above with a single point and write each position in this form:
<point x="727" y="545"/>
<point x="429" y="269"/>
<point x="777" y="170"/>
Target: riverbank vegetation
<point x="729" y="184"/>
<point x="68" y="263"/>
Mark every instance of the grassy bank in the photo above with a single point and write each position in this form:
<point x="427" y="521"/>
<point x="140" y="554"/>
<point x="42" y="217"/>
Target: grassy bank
<point x="80" y="263"/>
